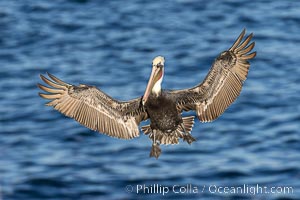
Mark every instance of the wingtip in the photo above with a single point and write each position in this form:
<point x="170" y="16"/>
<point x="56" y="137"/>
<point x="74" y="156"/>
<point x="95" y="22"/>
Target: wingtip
<point x="241" y="44"/>
<point x="42" y="76"/>
<point x="39" y="85"/>
<point x="243" y="31"/>
<point x="250" y="35"/>
<point x="57" y="80"/>
<point x="41" y="94"/>
<point x="238" y="40"/>
<point x="249" y="38"/>
<point x="49" y="75"/>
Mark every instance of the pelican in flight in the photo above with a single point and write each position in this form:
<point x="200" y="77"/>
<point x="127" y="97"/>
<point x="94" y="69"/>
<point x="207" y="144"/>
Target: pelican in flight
<point x="97" y="111"/>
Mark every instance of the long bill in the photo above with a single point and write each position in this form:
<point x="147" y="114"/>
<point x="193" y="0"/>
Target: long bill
<point x="154" y="77"/>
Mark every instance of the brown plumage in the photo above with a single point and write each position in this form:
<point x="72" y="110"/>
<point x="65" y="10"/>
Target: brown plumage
<point x="222" y="84"/>
<point x="94" y="109"/>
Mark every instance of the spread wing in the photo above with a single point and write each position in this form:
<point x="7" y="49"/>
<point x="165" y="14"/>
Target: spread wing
<point x="222" y="84"/>
<point x="94" y="109"/>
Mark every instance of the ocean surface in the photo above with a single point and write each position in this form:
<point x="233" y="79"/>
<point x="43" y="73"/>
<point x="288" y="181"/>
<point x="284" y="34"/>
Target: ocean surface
<point x="251" y="152"/>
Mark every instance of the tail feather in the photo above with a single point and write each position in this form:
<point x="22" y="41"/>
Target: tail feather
<point x="188" y="123"/>
<point x="146" y="129"/>
<point x="171" y="138"/>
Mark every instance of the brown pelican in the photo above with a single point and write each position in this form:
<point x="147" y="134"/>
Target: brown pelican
<point x="96" y="110"/>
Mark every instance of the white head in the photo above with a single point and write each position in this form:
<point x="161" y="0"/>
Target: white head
<point x="156" y="77"/>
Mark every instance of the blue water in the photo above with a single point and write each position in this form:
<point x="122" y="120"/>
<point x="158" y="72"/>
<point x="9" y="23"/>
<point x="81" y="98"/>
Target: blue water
<point x="110" y="44"/>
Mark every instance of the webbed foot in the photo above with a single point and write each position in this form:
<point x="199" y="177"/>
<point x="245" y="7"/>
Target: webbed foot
<point x="155" y="151"/>
<point x="188" y="138"/>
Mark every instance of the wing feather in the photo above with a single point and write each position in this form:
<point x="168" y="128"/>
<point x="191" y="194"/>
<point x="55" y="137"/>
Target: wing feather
<point x="222" y="84"/>
<point x="93" y="108"/>
<point x="244" y="43"/>
<point x="238" y="40"/>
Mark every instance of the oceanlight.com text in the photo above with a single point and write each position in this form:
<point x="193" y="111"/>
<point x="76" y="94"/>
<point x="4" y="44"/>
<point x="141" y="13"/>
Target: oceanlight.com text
<point x="212" y="189"/>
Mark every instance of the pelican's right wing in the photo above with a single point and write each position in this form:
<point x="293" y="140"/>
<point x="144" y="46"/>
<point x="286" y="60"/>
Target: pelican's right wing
<point x="94" y="109"/>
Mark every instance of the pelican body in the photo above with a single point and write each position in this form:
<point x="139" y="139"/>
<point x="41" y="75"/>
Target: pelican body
<point x="94" y="109"/>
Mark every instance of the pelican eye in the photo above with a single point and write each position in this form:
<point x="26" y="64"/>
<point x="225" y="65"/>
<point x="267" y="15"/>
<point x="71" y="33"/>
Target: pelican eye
<point x="159" y="65"/>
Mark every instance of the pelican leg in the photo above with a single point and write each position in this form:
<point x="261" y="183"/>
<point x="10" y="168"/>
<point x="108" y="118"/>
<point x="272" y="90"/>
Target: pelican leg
<point x="187" y="136"/>
<point x="155" y="150"/>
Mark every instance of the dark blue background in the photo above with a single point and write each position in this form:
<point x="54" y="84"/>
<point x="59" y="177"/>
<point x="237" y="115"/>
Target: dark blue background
<point x="110" y="44"/>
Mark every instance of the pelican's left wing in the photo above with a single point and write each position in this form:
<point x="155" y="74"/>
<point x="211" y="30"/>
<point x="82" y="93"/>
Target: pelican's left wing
<point x="94" y="109"/>
<point x="222" y="84"/>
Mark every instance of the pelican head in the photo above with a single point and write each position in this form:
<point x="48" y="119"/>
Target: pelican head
<point x="156" y="77"/>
